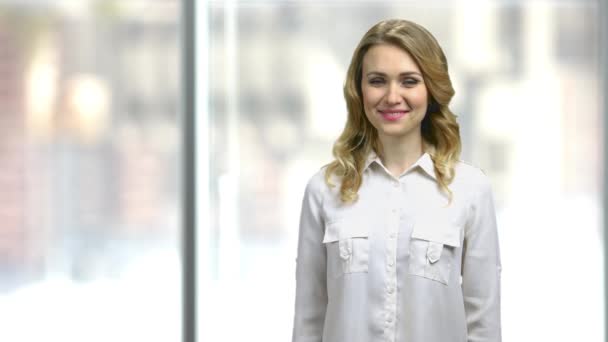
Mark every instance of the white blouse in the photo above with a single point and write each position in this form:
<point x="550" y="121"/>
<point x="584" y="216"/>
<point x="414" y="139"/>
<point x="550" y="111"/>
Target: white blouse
<point x="399" y="264"/>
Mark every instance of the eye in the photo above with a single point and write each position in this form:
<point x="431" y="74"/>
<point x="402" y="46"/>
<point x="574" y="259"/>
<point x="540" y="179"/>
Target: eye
<point x="376" y="81"/>
<point x="410" y="81"/>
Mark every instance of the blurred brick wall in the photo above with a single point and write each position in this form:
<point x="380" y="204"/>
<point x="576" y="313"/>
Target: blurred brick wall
<point x="12" y="156"/>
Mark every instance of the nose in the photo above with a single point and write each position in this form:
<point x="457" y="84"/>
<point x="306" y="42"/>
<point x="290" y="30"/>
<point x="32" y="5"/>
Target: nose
<point x="393" y="97"/>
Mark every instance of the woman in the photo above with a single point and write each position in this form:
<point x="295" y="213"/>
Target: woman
<point x="398" y="238"/>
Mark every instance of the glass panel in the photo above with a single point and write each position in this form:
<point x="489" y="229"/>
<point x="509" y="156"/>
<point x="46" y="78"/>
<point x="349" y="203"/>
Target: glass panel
<point x="89" y="171"/>
<point x="528" y="98"/>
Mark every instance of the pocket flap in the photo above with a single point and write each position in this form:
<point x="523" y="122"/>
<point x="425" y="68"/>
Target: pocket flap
<point x="433" y="252"/>
<point x="344" y="229"/>
<point x="442" y="232"/>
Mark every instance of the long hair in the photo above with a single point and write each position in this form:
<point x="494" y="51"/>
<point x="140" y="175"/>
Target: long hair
<point x="439" y="129"/>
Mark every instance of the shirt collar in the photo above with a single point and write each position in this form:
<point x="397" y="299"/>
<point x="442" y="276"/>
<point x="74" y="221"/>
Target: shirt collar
<point x="424" y="162"/>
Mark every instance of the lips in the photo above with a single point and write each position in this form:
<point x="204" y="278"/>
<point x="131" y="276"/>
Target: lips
<point x="393" y="115"/>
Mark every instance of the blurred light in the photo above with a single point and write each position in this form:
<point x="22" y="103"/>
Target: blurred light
<point x="476" y="35"/>
<point x="327" y="106"/>
<point x="41" y="94"/>
<point x="88" y="103"/>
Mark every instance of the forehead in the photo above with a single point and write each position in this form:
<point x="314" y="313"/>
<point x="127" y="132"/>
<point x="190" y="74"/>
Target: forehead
<point x="388" y="59"/>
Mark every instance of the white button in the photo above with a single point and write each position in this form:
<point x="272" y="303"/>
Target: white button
<point x="391" y="263"/>
<point x="392" y="235"/>
<point x="394" y="211"/>
<point x="390" y="319"/>
<point x="396" y="184"/>
<point x="390" y="290"/>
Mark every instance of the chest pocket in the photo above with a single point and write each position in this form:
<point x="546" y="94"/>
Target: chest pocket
<point x="347" y="243"/>
<point x="432" y="249"/>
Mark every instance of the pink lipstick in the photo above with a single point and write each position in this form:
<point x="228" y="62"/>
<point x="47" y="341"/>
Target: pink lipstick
<point x="392" y="114"/>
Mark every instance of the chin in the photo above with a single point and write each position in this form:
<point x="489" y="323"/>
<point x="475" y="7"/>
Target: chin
<point x="394" y="132"/>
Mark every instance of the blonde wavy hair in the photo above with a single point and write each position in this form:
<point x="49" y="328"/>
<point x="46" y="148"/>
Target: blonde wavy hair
<point x="440" y="130"/>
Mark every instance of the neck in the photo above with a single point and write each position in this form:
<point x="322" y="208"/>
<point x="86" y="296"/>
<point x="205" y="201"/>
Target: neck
<point x="399" y="153"/>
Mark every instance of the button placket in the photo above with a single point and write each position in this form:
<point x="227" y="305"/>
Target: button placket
<point x="396" y="205"/>
<point x="391" y="241"/>
<point x="390" y="289"/>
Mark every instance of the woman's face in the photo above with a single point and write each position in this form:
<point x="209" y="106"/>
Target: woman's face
<point x="395" y="97"/>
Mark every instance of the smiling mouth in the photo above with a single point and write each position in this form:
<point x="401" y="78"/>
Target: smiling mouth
<point x="393" y="115"/>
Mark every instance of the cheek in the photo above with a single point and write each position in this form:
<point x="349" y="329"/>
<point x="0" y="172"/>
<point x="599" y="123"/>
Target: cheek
<point x="420" y="98"/>
<point x="370" y="96"/>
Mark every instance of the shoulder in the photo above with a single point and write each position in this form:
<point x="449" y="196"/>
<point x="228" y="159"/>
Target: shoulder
<point x="472" y="176"/>
<point x="316" y="180"/>
<point x="316" y="184"/>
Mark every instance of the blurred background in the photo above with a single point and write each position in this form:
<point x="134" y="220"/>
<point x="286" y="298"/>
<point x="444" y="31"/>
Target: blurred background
<point x="89" y="171"/>
<point x="90" y="153"/>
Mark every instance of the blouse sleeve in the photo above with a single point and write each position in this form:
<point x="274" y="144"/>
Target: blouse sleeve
<point x="311" y="285"/>
<point x="481" y="269"/>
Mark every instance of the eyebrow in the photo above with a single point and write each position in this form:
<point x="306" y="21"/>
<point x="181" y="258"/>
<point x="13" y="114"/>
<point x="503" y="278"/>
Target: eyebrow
<point x="406" y="73"/>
